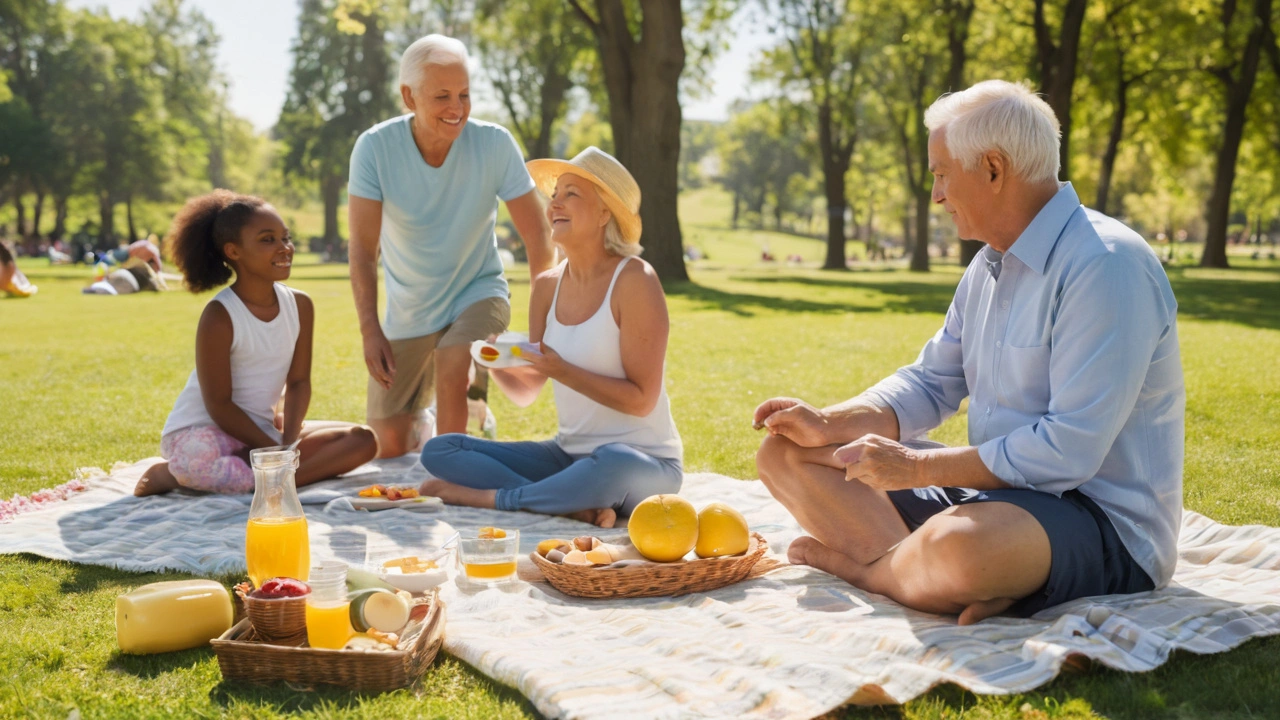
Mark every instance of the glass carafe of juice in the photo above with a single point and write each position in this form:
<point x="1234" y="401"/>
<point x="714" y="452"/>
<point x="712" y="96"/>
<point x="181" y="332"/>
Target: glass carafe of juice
<point x="275" y="543"/>
<point x="328" y="610"/>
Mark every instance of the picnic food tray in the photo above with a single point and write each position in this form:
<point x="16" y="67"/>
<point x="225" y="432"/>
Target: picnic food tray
<point x="242" y="656"/>
<point x="652" y="579"/>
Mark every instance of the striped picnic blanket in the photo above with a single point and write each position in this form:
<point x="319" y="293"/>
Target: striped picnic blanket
<point x="790" y="642"/>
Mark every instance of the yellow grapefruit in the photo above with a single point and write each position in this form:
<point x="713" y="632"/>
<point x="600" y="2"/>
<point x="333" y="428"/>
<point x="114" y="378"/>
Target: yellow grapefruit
<point x="721" y="531"/>
<point x="664" y="528"/>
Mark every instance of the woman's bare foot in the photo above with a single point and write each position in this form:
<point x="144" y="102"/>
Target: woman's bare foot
<point x="157" y="480"/>
<point x="454" y="494"/>
<point x="602" y="517"/>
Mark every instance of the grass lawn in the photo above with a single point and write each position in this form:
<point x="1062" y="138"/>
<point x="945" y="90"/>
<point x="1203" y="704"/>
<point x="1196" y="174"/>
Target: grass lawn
<point x="88" y="381"/>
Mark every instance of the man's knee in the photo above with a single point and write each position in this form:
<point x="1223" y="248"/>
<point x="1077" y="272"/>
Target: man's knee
<point x="777" y="460"/>
<point x="979" y="552"/>
<point x="393" y="435"/>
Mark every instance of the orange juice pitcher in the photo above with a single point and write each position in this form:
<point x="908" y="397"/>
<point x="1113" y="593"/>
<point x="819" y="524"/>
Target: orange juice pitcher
<point x="276" y="543"/>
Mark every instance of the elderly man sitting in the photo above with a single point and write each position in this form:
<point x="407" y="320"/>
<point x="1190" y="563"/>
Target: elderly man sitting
<point x="1063" y="335"/>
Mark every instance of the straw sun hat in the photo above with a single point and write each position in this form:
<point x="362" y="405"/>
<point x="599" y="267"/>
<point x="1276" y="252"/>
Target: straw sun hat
<point x="617" y="188"/>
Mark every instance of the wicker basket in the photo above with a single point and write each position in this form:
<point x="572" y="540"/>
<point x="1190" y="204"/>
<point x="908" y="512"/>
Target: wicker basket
<point x="279" y="620"/>
<point x="652" y="579"/>
<point x="243" y="656"/>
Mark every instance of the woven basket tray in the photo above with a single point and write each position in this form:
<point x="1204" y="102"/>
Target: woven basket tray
<point x="652" y="579"/>
<point x="242" y="656"/>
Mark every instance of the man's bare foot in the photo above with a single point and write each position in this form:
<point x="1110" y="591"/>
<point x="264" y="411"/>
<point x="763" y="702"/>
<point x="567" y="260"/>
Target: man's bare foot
<point x="157" y="480"/>
<point x="602" y="517"/>
<point x="454" y="494"/>
<point x="980" y="611"/>
<point x="805" y="550"/>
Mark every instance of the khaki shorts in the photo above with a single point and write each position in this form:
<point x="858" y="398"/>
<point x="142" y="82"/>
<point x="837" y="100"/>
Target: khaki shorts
<point x="414" y="385"/>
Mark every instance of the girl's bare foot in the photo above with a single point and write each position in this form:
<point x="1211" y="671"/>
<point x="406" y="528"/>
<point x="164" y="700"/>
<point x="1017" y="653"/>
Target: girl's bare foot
<point x="157" y="480"/>
<point x="602" y="517"/>
<point x="454" y="494"/>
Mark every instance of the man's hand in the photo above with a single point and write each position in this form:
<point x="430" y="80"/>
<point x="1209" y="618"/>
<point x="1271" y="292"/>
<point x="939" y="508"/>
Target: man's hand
<point x="794" y="419"/>
<point x="378" y="358"/>
<point x="882" y="464"/>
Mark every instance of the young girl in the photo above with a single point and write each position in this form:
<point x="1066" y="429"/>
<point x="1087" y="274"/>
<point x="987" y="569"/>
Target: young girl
<point x="253" y="341"/>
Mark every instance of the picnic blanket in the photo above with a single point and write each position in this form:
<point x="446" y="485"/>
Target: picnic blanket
<point x="789" y="642"/>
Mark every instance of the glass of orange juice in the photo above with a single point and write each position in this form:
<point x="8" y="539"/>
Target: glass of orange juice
<point x="489" y="560"/>
<point x="328" y="610"/>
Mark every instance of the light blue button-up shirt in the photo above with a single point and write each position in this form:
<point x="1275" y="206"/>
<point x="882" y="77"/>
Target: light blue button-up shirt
<point x="1067" y="348"/>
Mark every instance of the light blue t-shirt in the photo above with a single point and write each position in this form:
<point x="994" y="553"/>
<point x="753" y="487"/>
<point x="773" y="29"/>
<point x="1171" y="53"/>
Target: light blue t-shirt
<point x="439" y="252"/>
<point x="1067" y="348"/>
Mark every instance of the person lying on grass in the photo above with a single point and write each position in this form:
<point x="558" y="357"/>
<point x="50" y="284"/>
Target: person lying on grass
<point x="1063" y="336"/>
<point x="253" y="341"/>
<point x="600" y="320"/>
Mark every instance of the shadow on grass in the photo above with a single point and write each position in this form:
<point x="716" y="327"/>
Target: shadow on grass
<point x="898" y="297"/>
<point x="1251" y="303"/>
<point x="148" y="667"/>
<point x="88" y="578"/>
<point x="285" y="698"/>
<point x="1236" y="684"/>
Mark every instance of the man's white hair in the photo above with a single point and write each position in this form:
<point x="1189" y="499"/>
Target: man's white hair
<point x="429" y="50"/>
<point x="1002" y="116"/>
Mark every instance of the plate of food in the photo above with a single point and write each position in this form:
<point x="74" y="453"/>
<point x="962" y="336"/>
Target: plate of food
<point x="503" y="351"/>
<point x="386" y="497"/>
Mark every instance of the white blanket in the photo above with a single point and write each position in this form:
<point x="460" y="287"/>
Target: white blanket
<point x="793" y="642"/>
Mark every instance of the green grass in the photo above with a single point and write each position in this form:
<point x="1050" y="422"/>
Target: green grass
<point x="88" y="380"/>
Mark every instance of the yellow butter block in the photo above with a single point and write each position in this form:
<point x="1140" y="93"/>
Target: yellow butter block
<point x="173" y="615"/>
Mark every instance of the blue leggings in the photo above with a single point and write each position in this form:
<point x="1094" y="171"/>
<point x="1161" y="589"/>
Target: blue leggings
<point x="540" y="477"/>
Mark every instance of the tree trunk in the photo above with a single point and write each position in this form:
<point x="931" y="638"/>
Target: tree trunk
<point x="957" y="39"/>
<point x="969" y="250"/>
<point x="37" y="212"/>
<point x="835" y="164"/>
<point x="920" y="253"/>
<point x="1238" y="92"/>
<point x="59" y="217"/>
<point x="908" y="243"/>
<point x="128" y="214"/>
<point x="1113" y="146"/>
<point x="642" y="79"/>
<point x="19" y="207"/>
<point x="331" y="192"/>
<point x="555" y="85"/>
<point x="107" y="216"/>
<point x="1058" y="67"/>
<point x="737" y="205"/>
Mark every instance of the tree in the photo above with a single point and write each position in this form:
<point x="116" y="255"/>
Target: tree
<point x="532" y="77"/>
<point x="1056" y="62"/>
<point x="1237" y="69"/>
<point x="825" y="45"/>
<point x="760" y="156"/>
<point x="642" y="55"/>
<point x="339" y="86"/>
<point x="915" y="70"/>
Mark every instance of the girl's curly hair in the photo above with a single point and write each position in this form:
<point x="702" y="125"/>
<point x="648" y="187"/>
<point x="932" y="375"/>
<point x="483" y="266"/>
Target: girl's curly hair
<point x="202" y="227"/>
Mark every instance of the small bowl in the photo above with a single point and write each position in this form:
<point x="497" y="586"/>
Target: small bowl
<point x="282" y="621"/>
<point x="414" y="582"/>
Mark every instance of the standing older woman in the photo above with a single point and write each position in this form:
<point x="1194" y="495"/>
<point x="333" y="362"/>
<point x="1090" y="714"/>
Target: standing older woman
<point x="600" y="319"/>
<point x="424" y="192"/>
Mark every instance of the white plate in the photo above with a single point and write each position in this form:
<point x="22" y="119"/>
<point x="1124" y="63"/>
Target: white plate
<point x="503" y="344"/>
<point x="413" y="582"/>
<point x="423" y="503"/>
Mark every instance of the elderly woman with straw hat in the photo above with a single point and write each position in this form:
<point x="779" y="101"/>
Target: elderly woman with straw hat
<point x="600" y="322"/>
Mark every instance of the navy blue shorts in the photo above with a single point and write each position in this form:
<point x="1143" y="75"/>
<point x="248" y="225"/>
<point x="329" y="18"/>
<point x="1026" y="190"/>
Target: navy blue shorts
<point x="1088" y="556"/>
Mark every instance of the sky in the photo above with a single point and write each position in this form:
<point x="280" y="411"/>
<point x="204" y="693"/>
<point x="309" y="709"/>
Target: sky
<point x="256" y="36"/>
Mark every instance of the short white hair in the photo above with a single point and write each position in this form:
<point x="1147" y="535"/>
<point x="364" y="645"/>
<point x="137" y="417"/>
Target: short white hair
<point x="1002" y="116"/>
<point x="430" y="50"/>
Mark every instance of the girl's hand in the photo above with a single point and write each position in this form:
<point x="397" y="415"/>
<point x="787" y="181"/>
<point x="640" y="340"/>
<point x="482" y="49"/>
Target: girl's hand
<point x="548" y="361"/>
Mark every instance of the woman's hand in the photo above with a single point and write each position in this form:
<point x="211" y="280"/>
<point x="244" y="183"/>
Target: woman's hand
<point x="548" y="361"/>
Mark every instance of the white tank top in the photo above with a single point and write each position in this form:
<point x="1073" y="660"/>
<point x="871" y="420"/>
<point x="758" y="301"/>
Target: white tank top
<point x="596" y="345"/>
<point x="261" y="353"/>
